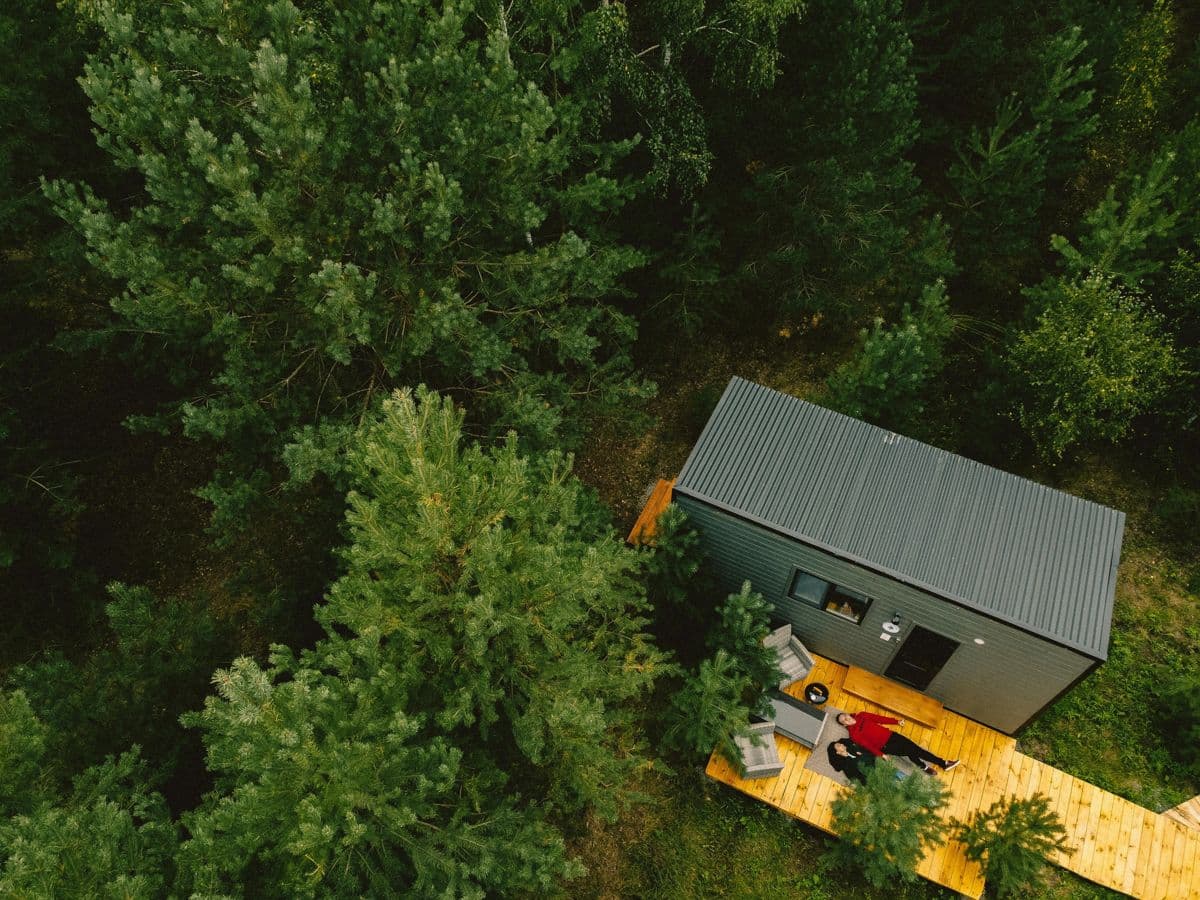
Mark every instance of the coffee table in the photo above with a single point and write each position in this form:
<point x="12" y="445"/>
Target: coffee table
<point x="797" y="720"/>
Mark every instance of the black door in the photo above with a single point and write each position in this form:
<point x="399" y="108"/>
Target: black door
<point x="921" y="658"/>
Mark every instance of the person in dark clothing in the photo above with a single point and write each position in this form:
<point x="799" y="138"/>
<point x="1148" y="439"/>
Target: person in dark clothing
<point x="868" y="731"/>
<point x="849" y="758"/>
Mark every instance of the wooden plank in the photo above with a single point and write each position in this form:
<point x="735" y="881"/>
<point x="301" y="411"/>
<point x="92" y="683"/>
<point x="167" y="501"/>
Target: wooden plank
<point x="1118" y="842"/>
<point x="1088" y="798"/>
<point x="909" y="704"/>
<point x="1107" y="831"/>
<point x="1186" y="813"/>
<point x="1127" y="867"/>
<point x="1156" y="875"/>
<point x="1142" y="875"/>
<point x="1188" y="877"/>
<point x="1174" y="868"/>
<point x="647" y="522"/>
<point x="968" y="783"/>
<point x="1093" y="865"/>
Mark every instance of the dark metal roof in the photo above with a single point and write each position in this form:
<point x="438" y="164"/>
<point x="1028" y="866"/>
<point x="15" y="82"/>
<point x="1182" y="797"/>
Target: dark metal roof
<point x="1013" y="549"/>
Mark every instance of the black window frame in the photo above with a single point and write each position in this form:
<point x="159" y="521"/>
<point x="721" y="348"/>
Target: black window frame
<point x="858" y="603"/>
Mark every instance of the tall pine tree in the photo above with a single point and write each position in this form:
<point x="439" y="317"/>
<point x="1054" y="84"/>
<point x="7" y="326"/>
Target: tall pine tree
<point x="337" y="198"/>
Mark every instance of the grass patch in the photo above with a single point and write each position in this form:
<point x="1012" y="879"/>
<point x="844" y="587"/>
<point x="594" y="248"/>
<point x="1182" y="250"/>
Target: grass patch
<point x="696" y="838"/>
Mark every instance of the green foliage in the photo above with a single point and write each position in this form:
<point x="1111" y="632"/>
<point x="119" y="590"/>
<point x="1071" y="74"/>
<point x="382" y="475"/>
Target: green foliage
<point x="743" y="620"/>
<point x="1010" y="840"/>
<point x="22" y="747"/>
<point x="690" y="273"/>
<point x="886" y="824"/>
<point x="1062" y="107"/>
<point x="674" y="560"/>
<point x="645" y="57"/>
<point x="483" y="657"/>
<point x="1179" y="715"/>
<point x="889" y="379"/>
<point x="709" y="711"/>
<point x="832" y="197"/>
<point x="1093" y="359"/>
<point x="1000" y="175"/>
<point x="333" y="789"/>
<point x="1117" y="234"/>
<point x="1142" y="97"/>
<point x="479" y="571"/>
<point x="1179" y="511"/>
<point x="110" y="838"/>
<point x="339" y="202"/>
<point x="133" y="689"/>
<point x="999" y="180"/>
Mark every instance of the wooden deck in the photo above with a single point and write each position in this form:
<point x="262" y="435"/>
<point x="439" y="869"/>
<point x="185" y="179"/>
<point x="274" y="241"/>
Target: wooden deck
<point x="1111" y="841"/>
<point x="644" y="528"/>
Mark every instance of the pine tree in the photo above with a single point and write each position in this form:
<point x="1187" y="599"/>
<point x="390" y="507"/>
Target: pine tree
<point x="155" y="665"/>
<point x="519" y="619"/>
<point x="885" y="826"/>
<point x="743" y="620"/>
<point x="829" y="212"/>
<point x="1010" y="840"/>
<point x="889" y="379"/>
<point x="999" y="178"/>
<point x="111" y="837"/>
<point x="673" y="561"/>
<point x="481" y="668"/>
<point x="22" y="747"/>
<point x="709" y="711"/>
<point x="1120" y="235"/>
<point x="334" y="788"/>
<point x="341" y="201"/>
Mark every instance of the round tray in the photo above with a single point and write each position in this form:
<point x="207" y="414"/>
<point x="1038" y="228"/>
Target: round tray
<point x="816" y="693"/>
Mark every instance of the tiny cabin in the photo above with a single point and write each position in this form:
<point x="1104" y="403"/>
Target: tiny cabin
<point x="986" y="591"/>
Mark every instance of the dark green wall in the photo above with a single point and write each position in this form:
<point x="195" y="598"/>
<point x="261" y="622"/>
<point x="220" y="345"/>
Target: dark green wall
<point x="1002" y="683"/>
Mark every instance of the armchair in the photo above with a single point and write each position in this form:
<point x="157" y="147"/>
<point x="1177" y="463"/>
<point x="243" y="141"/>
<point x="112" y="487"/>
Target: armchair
<point x="794" y="659"/>
<point x="759" y="760"/>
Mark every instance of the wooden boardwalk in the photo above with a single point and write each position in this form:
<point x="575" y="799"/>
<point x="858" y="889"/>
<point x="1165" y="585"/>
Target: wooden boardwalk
<point x="1111" y="841"/>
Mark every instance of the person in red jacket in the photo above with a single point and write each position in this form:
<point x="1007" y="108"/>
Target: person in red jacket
<point x="867" y="730"/>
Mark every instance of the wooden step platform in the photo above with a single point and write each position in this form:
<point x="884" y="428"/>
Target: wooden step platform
<point x="904" y="701"/>
<point x="1186" y="813"/>
<point x="646" y="524"/>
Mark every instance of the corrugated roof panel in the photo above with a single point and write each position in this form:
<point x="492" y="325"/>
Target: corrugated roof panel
<point x="1010" y="547"/>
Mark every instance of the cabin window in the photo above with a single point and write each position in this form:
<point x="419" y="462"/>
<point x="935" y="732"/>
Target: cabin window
<point x="840" y="601"/>
<point x="847" y="603"/>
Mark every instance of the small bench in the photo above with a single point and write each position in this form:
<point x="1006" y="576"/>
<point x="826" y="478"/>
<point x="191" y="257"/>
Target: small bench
<point x="908" y="703"/>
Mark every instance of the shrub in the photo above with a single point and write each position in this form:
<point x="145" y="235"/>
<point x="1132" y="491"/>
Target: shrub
<point x="1179" y="710"/>
<point x="886" y="824"/>
<point x="1179" y="511"/>
<point x="888" y="381"/>
<point x="674" y="560"/>
<point x="708" y="711"/>
<point x="1010" y="840"/>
